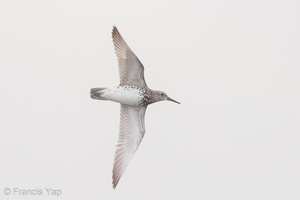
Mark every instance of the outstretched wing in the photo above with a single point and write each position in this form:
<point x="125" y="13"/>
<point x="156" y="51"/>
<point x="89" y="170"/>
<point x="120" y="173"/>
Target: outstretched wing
<point x="132" y="130"/>
<point x="131" y="70"/>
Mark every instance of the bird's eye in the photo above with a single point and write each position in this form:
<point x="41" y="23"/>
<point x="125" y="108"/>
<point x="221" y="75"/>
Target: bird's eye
<point x="162" y="94"/>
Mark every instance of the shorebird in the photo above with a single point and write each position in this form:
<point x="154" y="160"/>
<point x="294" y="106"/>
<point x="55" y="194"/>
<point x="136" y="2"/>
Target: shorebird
<point x="134" y="97"/>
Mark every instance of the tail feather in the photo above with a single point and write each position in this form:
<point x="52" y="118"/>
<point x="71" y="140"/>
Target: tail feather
<point x="96" y="93"/>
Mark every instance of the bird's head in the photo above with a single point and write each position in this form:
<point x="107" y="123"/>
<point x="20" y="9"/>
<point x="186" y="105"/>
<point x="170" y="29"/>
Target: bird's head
<point x="162" y="96"/>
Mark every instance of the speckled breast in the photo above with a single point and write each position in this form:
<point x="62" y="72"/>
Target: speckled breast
<point x="128" y="95"/>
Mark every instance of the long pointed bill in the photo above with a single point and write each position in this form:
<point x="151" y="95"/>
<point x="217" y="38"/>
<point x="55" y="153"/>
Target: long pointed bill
<point x="169" y="99"/>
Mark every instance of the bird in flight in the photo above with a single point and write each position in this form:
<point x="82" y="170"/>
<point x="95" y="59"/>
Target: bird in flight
<point x="134" y="96"/>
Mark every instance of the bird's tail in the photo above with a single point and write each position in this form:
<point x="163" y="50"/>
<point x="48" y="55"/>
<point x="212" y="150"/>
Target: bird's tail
<point x="96" y="93"/>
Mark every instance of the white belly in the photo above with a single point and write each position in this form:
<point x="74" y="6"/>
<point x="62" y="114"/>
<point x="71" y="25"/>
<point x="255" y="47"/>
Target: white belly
<point x="128" y="95"/>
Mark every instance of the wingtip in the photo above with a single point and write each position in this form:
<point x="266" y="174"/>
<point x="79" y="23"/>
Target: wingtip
<point x="115" y="33"/>
<point x="115" y="178"/>
<point x="114" y="184"/>
<point x="114" y="29"/>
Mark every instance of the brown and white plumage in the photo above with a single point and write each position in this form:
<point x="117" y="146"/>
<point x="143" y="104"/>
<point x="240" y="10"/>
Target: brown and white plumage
<point x="134" y="97"/>
<point x="131" y="70"/>
<point x="132" y="130"/>
<point x="132" y="124"/>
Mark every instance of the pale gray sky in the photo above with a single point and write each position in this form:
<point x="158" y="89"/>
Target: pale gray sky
<point x="234" y="66"/>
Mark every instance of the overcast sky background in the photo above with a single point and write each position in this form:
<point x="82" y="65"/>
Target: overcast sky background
<point x="234" y="65"/>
